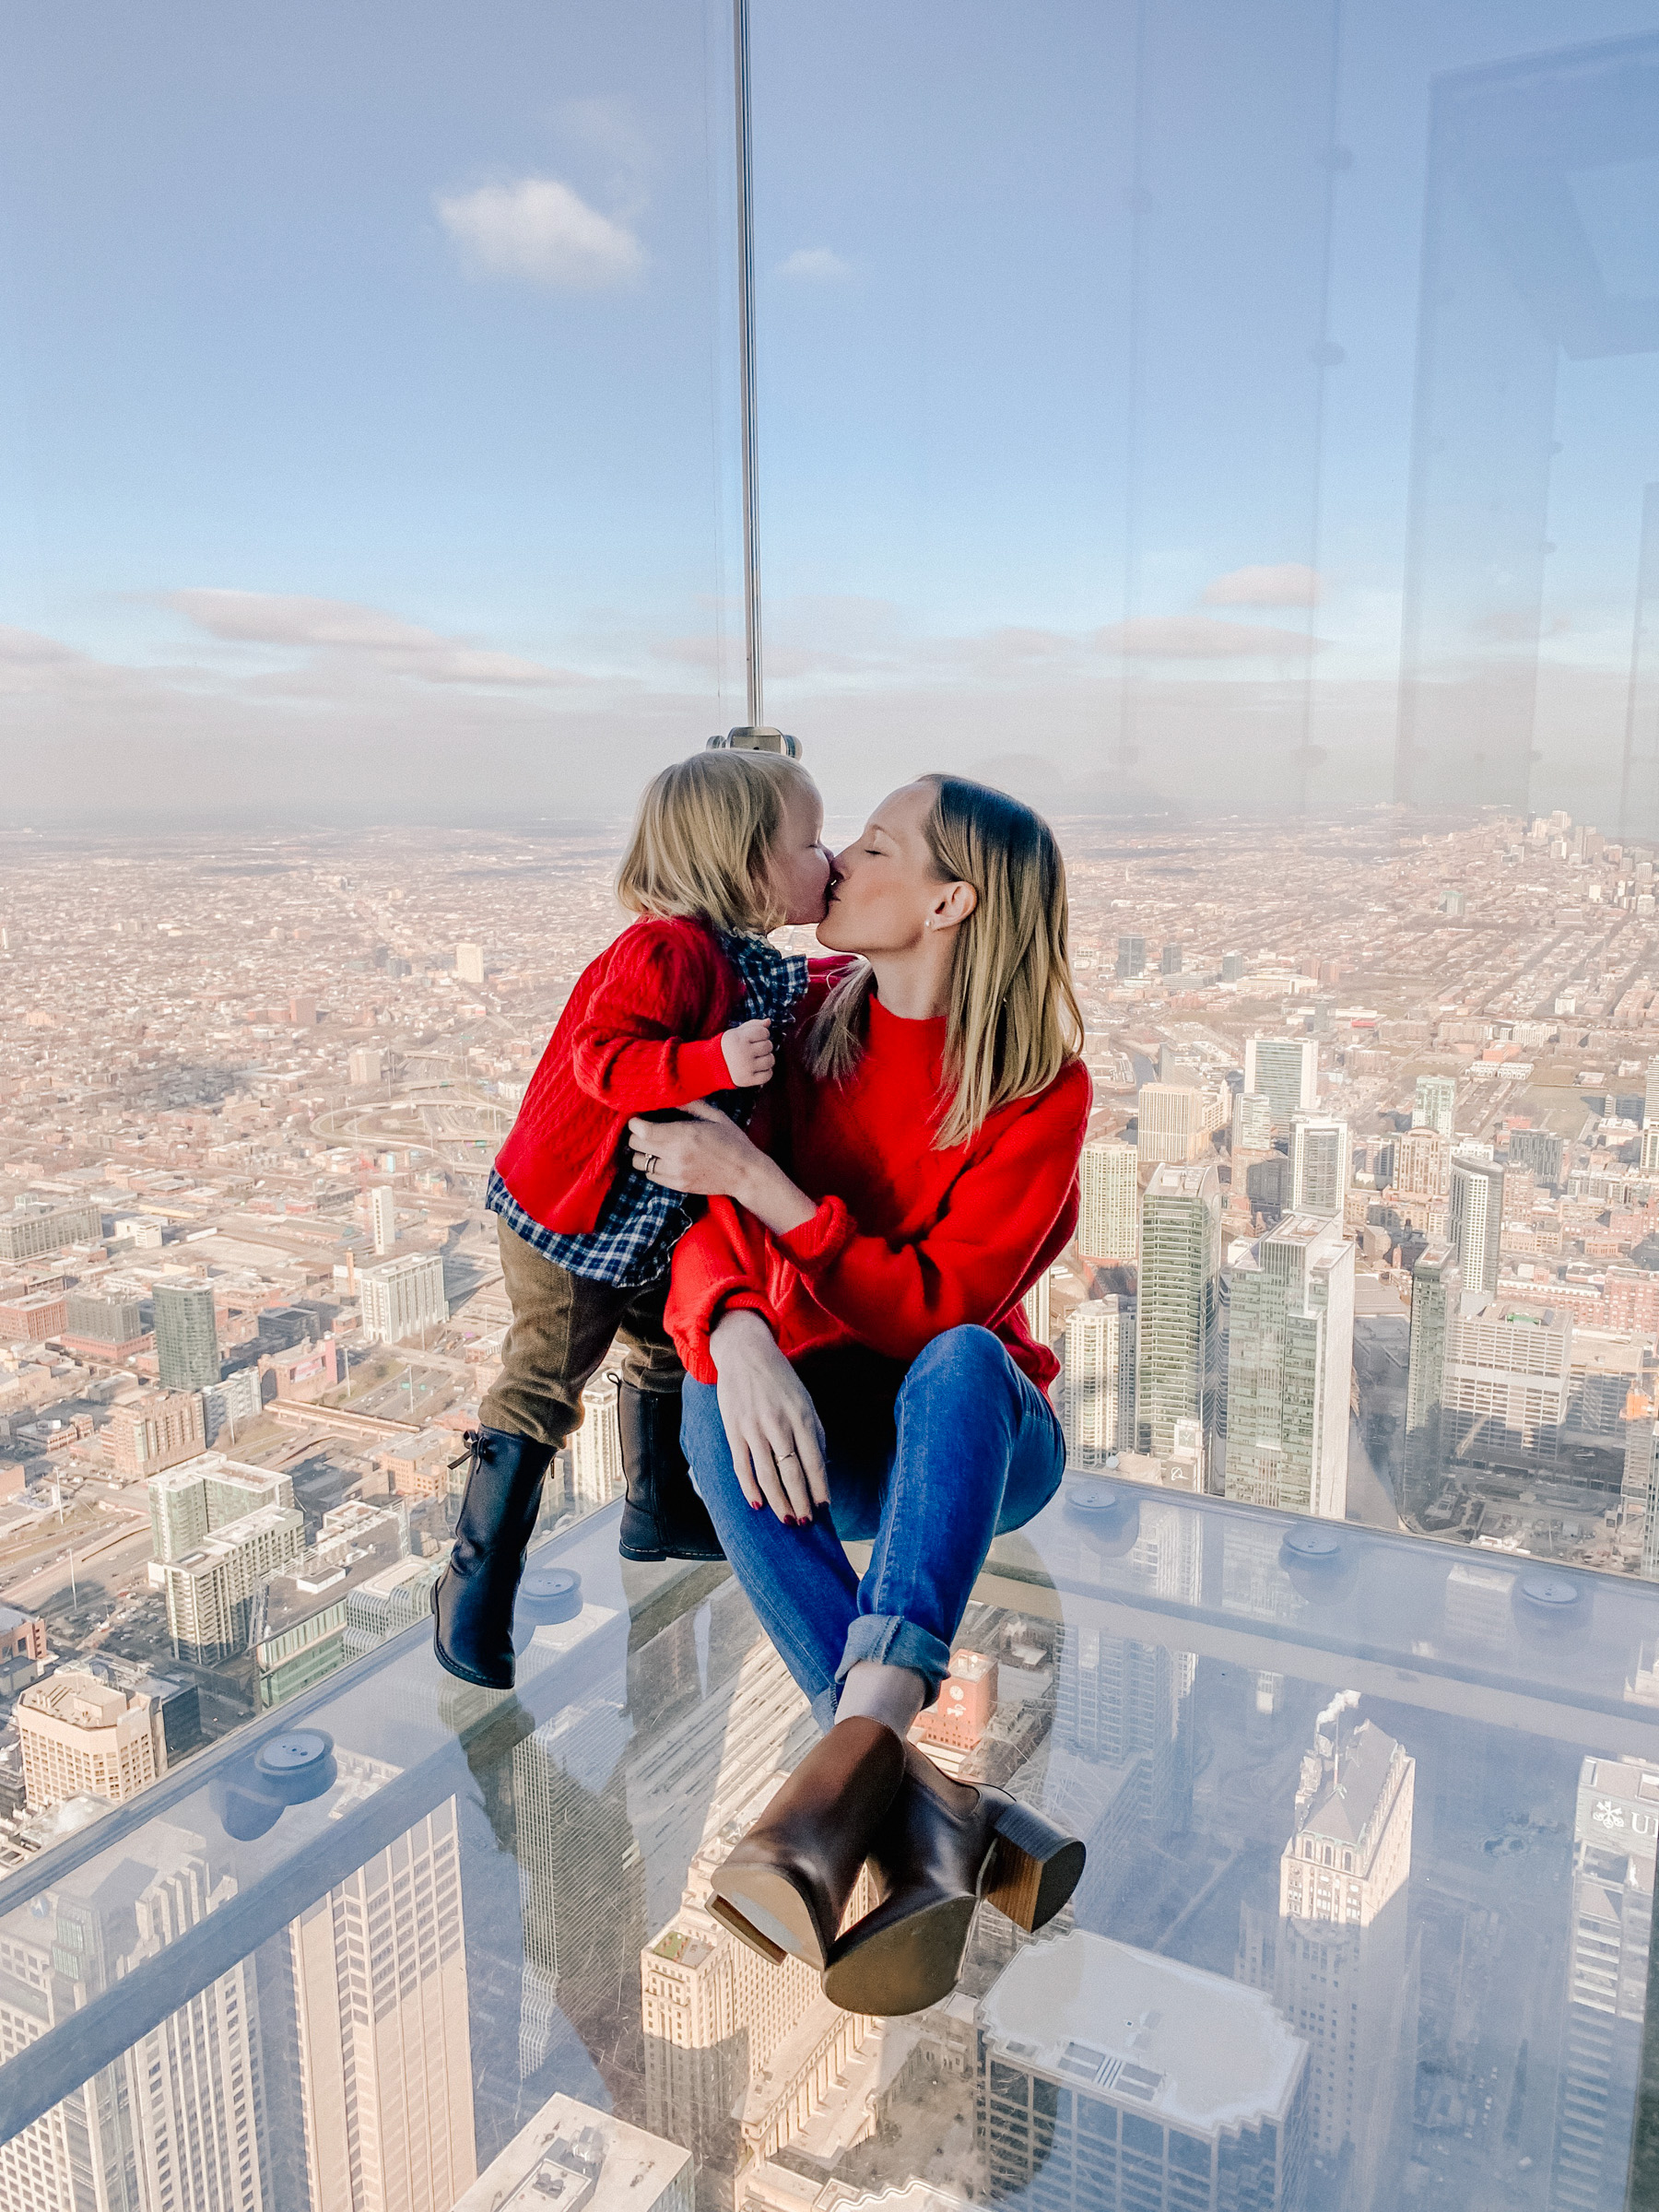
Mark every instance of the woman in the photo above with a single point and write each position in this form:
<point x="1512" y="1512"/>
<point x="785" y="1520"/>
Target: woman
<point x="858" y="1368"/>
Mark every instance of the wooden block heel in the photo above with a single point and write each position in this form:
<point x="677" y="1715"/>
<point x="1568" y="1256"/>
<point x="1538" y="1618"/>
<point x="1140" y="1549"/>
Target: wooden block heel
<point x="1034" y="1867"/>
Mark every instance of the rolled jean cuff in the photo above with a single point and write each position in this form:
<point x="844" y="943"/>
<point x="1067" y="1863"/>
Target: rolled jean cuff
<point x="891" y="1641"/>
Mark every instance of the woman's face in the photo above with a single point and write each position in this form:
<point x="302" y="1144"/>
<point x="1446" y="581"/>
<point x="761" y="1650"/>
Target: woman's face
<point x="885" y="885"/>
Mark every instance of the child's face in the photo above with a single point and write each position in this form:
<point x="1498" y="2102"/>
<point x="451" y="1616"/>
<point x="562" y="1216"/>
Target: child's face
<point x="800" y="866"/>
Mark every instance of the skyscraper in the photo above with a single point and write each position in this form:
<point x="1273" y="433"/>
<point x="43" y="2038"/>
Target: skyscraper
<point x="1338" y="1962"/>
<point x="1168" y="1123"/>
<point x="1508" y="1382"/>
<point x="1290" y="1365"/>
<point x="1035" y="1305"/>
<point x="1177" y="1351"/>
<point x="1421" y="1164"/>
<point x="1474" y="1219"/>
<point x="384" y="2057"/>
<point x="383" y="1217"/>
<point x="1100" y="1381"/>
<point x="1113" y="2079"/>
<point x="1539" y="1151"/>
<point x="469" y="963"/>
<point x="1435" y="1104"/>
<point x="186" y="1339"/>
<point x="1436" y="1287"/>
<point x="1613" y="1855"/>
<point x="1320" y="1164"/>
<point x="1169" y="961"/>
<point x="403" y="1298"/>
<point x="1251" y="1122"/>
<point x="177" y="2123"/>
<point x="1108" y="1212"/>
<point x="1131" y="956"/>
<point x="596" y="1446"/>
<point x="1284" y="1070"/>
<point x="572" y="2154"/>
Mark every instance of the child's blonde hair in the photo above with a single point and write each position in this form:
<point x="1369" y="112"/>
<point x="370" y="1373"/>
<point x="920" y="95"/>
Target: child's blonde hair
<point x="704" y="838"/>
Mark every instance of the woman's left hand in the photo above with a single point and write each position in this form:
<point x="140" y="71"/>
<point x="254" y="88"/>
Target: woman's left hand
<point x="705" y="1152"/>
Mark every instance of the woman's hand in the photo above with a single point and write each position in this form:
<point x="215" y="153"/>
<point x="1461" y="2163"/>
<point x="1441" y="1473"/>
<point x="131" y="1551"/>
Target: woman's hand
<point x="705" y="1151"/>
<point x="771" y="1424"/>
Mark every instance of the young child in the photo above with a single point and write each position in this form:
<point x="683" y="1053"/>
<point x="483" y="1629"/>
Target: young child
<point x="690" y="1002"/>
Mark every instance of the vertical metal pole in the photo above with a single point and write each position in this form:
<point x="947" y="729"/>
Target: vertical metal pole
<point x="745" y="347"/>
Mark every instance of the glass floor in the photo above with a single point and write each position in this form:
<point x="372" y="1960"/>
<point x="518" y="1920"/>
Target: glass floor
<point x="1371" y="1828"/>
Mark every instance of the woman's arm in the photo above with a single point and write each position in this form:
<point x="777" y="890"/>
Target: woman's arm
<point x="1006" y="1208"/>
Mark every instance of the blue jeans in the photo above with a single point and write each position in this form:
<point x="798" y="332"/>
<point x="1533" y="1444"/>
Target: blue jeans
<point x="929" y="1462"/>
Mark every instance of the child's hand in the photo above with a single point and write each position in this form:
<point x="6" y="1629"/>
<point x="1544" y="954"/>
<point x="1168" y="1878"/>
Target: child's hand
<point x="749" y="1053"/>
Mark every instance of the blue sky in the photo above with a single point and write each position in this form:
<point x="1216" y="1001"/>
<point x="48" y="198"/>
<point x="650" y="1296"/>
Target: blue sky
<point x="366" y="415"/>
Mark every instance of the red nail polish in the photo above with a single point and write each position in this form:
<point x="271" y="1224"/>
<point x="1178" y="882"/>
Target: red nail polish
<point x="756" y="1504"/>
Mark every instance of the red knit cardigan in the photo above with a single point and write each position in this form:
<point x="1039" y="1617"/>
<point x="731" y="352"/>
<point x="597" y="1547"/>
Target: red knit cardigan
<point x="641" y="1031"/>
<point x="908" y="1241"/>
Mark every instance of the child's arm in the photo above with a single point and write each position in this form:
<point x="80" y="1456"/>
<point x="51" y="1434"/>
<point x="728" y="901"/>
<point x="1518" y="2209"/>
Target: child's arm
<point x="629" y="1051"/>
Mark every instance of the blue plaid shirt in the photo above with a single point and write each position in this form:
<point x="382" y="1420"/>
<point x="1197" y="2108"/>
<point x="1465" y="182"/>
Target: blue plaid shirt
<point x="639" y="1223"/>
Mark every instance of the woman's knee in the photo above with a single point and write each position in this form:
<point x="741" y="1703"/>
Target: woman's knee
<point x="967" y="1356"/>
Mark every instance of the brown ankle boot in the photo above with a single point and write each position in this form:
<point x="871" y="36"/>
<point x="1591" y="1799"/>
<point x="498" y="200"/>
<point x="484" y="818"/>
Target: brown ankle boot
<point x="943" y="1846"/>
<point x="785" y="1887"/>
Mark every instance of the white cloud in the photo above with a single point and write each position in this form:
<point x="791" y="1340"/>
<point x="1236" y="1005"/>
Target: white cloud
<point x="341" y="626"/>
<point x="1281" y="584"/>
<point x="816" y="265"/>
<point x="542" y="230"/>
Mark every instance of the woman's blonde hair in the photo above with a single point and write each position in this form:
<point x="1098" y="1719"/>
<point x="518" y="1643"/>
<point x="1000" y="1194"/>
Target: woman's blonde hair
<point x="1013" y="1020"/>
<point x="704" y="837"/>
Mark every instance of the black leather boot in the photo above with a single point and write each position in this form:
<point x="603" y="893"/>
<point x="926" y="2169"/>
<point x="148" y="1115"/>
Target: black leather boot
<point x="785" y="1887"/>
<point x="472" y="1600"/>
<point x="943" y="1846"/>
<point x="663" y="1517"/>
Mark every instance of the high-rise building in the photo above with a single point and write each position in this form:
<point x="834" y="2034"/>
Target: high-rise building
<point x="383" y="1217"/>
<point x="1178" y="1349"/>
<point x="177" y="2123"/>
<point x="1289" y="1367"/>
<point x="37" y="1226"/>
<point x="1539" y="1151"/>
<point x="1338" y="1963"/>
<point x="403" y="1298"/>
<point x="230" y="1405"/>
<point x="596" y="1446"/>
<point x="1507" y="1384"/>
<point x="383" y="2054"/>
<point x="1035" y="1306"/>
<point x="1435" y="1105"/>
<point x="1232" y="967"/>
<point x="187" y="1504"/>
<point x="1109" y="1210"/>
<point x="187" y="1356"/>
<point x="1251" y="1122"/>
<point x="1613" y="1855"/>
<point x="1169" y="961"/>
<point x="469" y="963"/>
<point x="83" y="1737"/>
<point x="218" y="1533"/>
<point x="1474" y="1219"/>
<point x="1436" y="1288"/>
<point x="1169" y="1121"/>
<point x="1422" y="1164"/>
<point x="155" y="1430"/>
<point x="1131" y="956"/>
<point x="1285" y="1071"/>
<point x="1112" y="2078"/>
<point x="1650" y="1097"/>
<point x="111" y="1329"/>
<point x="575" y="2155"/>
<point x="1321" y="1161"/>
<point x="365" y="1065"/>
<point x="1099" y="1382"/>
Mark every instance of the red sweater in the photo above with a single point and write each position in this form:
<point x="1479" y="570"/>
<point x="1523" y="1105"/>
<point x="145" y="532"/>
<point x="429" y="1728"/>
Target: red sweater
<point x="914" y="1241"/>
<point x="641" y="1031"/>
